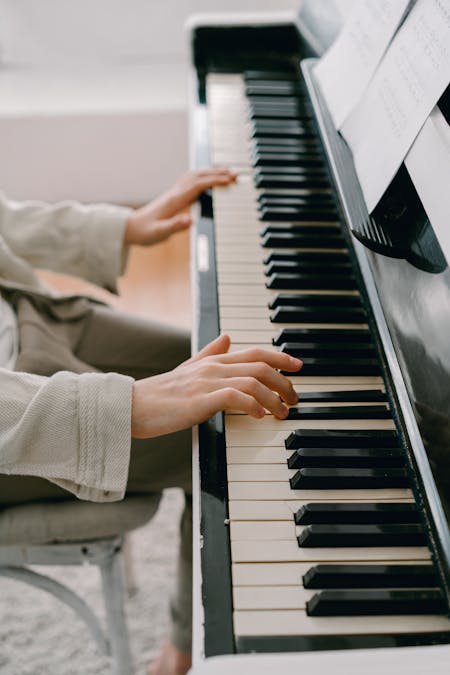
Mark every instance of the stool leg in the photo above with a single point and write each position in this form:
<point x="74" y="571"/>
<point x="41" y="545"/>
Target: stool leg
<point x="113" y="593"/>
<point x="129" y="571"/>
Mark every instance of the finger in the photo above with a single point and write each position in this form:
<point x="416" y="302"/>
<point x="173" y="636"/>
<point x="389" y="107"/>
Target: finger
<point x="265" y="374"/>
<point x="176" y="223"/>
<point x="205" y="182"/>
<point x="264" y="395"/>
<point x="275" y="359"/>
<point x="160" y="230"/>
<point x="233" y="399"/>
<point x="214" y="171"/>
<point x="218" y="346"/>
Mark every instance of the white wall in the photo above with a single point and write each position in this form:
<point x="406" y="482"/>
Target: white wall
<point x="93" y="95"/>
<point x="113" y="31"/>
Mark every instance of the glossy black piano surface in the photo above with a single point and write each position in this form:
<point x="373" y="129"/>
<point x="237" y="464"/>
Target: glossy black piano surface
<point x="415" y="299"/>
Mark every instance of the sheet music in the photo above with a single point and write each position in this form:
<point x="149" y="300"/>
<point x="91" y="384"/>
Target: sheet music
<point x="408" y="83"/>
<point x="428" y="164"/>
<point x="345" y="70"/>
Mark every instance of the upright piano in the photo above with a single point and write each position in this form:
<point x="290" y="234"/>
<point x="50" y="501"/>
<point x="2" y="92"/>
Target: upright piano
<point x="322" y="541"/>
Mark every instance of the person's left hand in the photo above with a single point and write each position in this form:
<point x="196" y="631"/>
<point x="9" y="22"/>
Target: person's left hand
<point x="165" y="215"/>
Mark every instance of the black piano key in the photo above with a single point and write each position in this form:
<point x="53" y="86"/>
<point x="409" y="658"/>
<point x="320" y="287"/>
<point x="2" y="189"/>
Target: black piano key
<point x="299" y="113"/>
<point x="340" y="438"/>
<point x="313" y="299"/>
<point x="356" y="536"/>
<point x="281" y="133"/>
<point x="350" y="412"/>
<point x="328" y="367"/>
<point x="291" y="171"/>
<point x="306" y="281"/>
<point x="272" y="159"/>
<point x="349" y="479"/>
<point x="275" y="101"/>
<point x="290" y="266"/>
<point x="322" y="335"/>
<point x="281" y="125"/>
<point x="321" y="257"/>
<point x="342" y="458"/>
<point x="297" y="240"/>
<point x="304" y="191"/>
<point x="376" y="602"/>
<point x="319" y="314"/>
<point x="288" y="214"/>
<point x="275" y="78"/>
<point x="370" y="576"/>
<point x="355" y="396"/>
<point x="273" y="180"/>
<point x="329" y="229"/>
<point x="283" y="143"/>
<point x="357" y="514"/>
<point x="343" y="351"/>
<point x="299" y="172"/>
<point x="278" y="89"/>
<point x="269" y="75"/>
<point x="311" y="201"/>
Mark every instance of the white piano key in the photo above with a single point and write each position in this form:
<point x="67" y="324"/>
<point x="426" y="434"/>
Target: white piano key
<point x="282" y="574"/>
<point x="260" y="472"/>
<point x="245" y="423"/>
<point x="271" y="597"/>
<point x="280" y="550"/>
<point x="269" y="574"/>
<point x="323" y="404"/>
<point x="365" y="381"/>
<point x="263" y="510"/>
<point x="283" y="510"/>
<point x="264" y="337"/>
<point x="251" y="455"/>
<point x="280" y="491"/>
<point x="274" y="437"/>
<point x="283" y="530"/>
<point x="241" y="311"/>
<point x="266" y="326"/>
<point x="245" y="277"/>
<point x="292" y="622"/>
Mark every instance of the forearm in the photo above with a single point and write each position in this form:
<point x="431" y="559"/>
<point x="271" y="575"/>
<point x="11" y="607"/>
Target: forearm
<point x="68" y="237"/>
<point x="73" y="430"/>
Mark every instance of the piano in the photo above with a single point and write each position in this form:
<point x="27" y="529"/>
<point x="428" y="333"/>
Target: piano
<point x="321" y="541"/>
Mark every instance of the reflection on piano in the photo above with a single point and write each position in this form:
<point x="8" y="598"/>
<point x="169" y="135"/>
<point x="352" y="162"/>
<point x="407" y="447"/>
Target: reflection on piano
<point x="325" y="531"/>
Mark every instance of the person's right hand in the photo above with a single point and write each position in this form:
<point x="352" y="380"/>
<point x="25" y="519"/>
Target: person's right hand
<point x="213" y="380"/>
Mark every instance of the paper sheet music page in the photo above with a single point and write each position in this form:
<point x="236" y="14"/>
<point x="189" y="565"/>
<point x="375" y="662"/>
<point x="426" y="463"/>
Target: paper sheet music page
<point x="406" y="86"/>
<point x="345" y="70"/>
<point x="428" y="164"/>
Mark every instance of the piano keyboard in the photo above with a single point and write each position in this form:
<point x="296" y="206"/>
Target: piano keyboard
<point x="326" y="540"/>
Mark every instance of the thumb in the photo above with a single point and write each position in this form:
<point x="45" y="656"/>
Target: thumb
<point x="179" y="222"/>
<point x="218" y="346"/>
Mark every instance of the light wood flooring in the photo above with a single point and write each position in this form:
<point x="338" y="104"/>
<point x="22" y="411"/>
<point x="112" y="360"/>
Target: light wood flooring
<point x="155" y="285"/>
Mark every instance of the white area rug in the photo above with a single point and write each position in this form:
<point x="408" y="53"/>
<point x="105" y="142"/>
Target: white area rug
<point x="41" y="636"/>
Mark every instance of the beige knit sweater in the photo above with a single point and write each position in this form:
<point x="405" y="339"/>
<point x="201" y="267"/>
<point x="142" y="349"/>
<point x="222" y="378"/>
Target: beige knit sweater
<point x="72" y="429"/>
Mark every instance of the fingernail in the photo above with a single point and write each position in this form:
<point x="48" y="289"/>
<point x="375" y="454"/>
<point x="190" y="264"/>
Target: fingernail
<point x="297" y="363"/>
<point x="261" y="412"/>
<point x="284" y="410"/>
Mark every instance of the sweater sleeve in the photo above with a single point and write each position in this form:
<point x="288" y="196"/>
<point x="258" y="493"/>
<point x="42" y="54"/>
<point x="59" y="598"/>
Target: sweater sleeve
<point x="74" y="430"/>
<point x="68" y="237"/>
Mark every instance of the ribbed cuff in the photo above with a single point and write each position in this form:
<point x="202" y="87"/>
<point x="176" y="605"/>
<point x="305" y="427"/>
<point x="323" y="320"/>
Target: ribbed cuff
<point x="105" y="435"/>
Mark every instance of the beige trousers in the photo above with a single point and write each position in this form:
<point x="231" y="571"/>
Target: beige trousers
<point x="84" y="336"/>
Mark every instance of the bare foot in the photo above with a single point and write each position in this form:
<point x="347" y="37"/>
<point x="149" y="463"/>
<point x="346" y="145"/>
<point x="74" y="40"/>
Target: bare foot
<point x="170" y="661"/>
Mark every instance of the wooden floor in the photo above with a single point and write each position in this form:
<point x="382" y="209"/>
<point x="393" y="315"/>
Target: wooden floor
<point x="156" y="284"/>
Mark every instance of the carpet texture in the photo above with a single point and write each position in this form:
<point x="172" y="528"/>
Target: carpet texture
<point x="41" y="636"/>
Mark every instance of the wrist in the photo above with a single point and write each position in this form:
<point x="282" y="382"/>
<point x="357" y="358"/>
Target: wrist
<point x="131" y="229"/>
